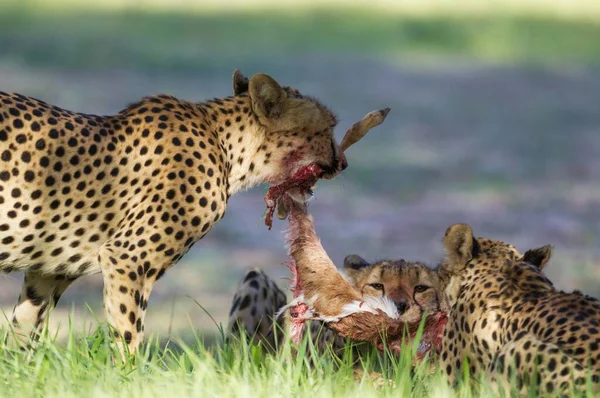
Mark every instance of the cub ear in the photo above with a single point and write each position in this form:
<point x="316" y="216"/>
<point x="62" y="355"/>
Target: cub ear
<point x="267" y="97"/>
<point x="461" y="246"/>
<point x="354" y="265"/>
<point x="355" y="262"/>
<point x="240" y="83"/>
<point x="538" y="257"/>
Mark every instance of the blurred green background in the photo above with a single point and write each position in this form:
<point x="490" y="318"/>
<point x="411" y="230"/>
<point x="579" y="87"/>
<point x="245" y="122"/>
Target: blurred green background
<point x="495" y="122"/>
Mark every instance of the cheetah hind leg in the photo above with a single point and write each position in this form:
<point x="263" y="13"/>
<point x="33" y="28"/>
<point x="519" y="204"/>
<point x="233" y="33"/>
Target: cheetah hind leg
<point x="529" y="363"/>
<point x="253" y="308"/>
<point x="39" y="295"/>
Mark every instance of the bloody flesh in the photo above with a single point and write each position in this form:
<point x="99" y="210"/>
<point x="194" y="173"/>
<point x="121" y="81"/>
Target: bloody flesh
<point x="304" y="178"/>
<point x="299" y="313"/>
<point x="431" y="338"/>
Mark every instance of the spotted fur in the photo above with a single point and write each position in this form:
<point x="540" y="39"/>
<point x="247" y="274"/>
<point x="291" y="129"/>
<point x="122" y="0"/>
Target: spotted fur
<point x="507" y="319"/>
<point x="128" y="195"/>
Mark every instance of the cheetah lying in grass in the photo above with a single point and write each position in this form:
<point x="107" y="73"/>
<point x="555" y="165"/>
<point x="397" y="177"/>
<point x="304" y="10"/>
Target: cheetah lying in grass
<point x="508" y="321"/>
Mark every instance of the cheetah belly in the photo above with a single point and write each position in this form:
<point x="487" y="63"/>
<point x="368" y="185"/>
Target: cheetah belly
<point x="47" y="243"/>
<point x="56" y="259"/>
<point x="52" y="234"/>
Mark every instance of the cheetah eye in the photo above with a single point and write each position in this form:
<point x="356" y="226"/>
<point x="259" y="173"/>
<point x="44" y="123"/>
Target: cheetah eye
<point x="421" y="288"/>
<point x="377" y="286"/>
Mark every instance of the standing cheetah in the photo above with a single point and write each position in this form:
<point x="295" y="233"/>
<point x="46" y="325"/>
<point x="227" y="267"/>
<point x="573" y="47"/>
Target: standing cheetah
<point x="128" y="195"/>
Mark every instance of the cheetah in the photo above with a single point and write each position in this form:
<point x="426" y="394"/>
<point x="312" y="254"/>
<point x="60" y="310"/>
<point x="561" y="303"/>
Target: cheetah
<point x="127" y="195"/>
<point x="508" y="320"/>
<point x="412" y="286"/>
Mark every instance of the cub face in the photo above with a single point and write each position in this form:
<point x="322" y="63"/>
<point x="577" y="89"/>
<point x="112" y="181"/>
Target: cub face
<point x="413" y="287"/>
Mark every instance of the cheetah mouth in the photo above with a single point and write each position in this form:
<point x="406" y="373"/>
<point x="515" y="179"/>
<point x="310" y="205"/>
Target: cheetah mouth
<point x="299" y="187"/>
<point x="430" y="338"/>
<point x="304" y="178"/>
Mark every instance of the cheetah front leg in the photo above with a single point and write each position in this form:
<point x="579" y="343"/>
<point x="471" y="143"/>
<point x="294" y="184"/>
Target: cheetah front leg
<point x="134" y="258"/>
<point x="39" y="294"/>
<point x="128" y="282"/>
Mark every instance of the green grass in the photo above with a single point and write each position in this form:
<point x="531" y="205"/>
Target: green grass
<point x="196" y="42"/>
<point x="85" y="366"/>
<point x="206" y="43"/>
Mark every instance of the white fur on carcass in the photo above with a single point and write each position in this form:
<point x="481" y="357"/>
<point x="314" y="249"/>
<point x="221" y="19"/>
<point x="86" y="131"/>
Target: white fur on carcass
<point x="373" y="305"/>
<point x="296" y="301"/>
<point x="369" y="304"/>
<point x="296" y="324"/>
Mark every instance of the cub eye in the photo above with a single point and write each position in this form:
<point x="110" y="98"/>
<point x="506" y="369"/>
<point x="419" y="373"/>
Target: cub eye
<point x="377" y="286"/>
<point x="421" y="288"/>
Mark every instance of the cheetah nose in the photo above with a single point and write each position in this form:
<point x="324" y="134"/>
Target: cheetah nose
<point x="343" y="163"/>
<point x="402" y="306"/>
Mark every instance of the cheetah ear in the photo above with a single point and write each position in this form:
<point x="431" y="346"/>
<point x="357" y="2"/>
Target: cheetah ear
<point x="267" y="97"/>
<point x="355" y="262"/>
<point x="354" y="265"/>
<point x="240" y="83"/>
<point x="461" y="246"/>
<point x="538" y="257"/>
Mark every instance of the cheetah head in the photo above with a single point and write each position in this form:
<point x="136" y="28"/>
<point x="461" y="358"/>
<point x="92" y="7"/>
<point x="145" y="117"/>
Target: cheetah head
<point x="475" y="261"/>
<point x="299" y="131"/>
<point x="414" y="287"/>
